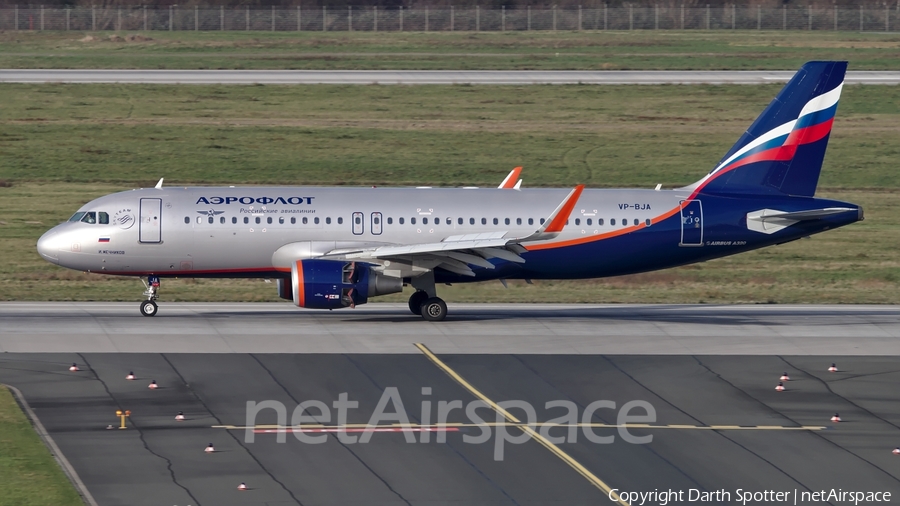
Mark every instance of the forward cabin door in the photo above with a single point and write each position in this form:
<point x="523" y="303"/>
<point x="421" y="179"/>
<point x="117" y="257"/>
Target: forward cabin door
<point x="691" y="223"/>
<point x="151" y="221"/>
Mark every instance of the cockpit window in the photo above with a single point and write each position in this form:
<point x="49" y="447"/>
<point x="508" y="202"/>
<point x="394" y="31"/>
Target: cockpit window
<point x="104" y="218"/>
<point x="89" y="217"/>
<point x="76" y="217"/>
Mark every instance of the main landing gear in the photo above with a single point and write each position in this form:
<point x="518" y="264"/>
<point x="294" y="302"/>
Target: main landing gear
<point x="416" y="300"/>
<point x="149" y="307"/>
<point x="425" y="301"/>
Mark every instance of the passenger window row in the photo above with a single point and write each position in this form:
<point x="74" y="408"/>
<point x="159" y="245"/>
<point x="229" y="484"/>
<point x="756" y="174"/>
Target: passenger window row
<point x="104" y="219"/>
<point x="518" y="221"/>
<point x="258" y="220"/>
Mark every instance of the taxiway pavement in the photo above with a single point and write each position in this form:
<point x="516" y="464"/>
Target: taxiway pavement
<point x="365" y="77"/>
<point x="161" y="461"/>
<point x="708" y="372"/>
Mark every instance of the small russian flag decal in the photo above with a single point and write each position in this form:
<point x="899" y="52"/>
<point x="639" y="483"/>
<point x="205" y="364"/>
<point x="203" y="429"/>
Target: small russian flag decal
<point x="104" y="239"/>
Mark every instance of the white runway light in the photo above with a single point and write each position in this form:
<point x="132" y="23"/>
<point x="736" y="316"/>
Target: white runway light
<point x="74" y="368"/>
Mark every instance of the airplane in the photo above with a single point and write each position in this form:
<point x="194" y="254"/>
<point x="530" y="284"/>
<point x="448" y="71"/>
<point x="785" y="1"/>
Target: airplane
<point x="332" y="248"/>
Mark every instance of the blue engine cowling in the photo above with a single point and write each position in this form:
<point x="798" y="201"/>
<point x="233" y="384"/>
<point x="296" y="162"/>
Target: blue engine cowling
<point x="334" y="284"/>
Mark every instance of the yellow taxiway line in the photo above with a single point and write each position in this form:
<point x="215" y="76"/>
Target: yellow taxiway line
<point x="574" y="464"/>
<point x="527" y="428"/>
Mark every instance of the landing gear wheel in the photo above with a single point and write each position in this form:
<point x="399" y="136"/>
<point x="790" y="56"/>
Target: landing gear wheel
<point x="434" y="309"/>
<point x="149" y="308"/>
<point x="416" y="300"/>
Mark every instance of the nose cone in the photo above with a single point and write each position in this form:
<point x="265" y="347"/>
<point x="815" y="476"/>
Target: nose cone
<point x="48" y="246"/>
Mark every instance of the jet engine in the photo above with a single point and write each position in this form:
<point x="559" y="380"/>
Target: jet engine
<point x="334" y="284"/>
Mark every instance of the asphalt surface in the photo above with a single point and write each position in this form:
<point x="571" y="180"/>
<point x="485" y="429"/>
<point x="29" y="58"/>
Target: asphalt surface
<point x="708" y="372"/>
<point x="470" y="328"/>
<point x="506" y="77"/>
<point x="161" y="461"/>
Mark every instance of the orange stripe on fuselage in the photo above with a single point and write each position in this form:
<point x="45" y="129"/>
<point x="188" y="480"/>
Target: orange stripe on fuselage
<point x="607" y="235"/>
<point x="301" y="292"/>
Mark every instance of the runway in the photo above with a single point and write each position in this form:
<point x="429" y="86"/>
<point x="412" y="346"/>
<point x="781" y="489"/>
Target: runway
<point x="410" y="77"/>
<point x="567" y="329"/>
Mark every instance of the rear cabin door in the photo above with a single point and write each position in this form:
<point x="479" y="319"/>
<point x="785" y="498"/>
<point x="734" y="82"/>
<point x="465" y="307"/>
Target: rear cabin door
<point x="691" y="223"/>
<point x="151" y="221"/>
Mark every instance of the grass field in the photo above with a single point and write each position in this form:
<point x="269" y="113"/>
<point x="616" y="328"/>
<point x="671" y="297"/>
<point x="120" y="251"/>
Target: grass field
<point x="28" y="473"/>
<point x="440" y="135"/>
<point x="693" y="50"/>
<point x="62" y="145"/>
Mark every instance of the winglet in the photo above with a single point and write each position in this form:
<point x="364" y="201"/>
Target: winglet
<point x="557" y="220"/>
<point x="511" y="178"/>
<point x="554" y="223"/>
<point x="159" y="184"/>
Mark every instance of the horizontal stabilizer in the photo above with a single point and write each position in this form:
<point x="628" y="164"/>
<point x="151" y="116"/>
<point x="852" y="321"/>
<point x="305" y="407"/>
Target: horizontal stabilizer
<point x="804" y="215"/>
<point x="769" y="221"/>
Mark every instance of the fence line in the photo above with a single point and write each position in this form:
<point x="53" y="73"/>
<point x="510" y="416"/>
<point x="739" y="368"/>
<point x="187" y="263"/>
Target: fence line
<point x="273" y="19"/>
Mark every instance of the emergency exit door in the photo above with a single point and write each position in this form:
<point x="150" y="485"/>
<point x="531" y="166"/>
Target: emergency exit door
<point x="358" y="223"/>
<point x="151" y="221"/>
<point x="376" y="224"/>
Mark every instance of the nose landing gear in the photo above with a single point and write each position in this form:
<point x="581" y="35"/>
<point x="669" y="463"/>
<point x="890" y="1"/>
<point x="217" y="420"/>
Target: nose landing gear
<point x="149" y="307"/>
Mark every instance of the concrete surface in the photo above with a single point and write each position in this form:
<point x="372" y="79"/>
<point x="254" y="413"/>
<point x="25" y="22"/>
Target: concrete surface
<point x="567" y="329"/>
<point x="507" y="77"/>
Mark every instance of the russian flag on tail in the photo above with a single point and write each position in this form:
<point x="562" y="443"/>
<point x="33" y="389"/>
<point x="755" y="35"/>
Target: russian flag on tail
<point x="781" y="143"/>
<point x="783" y="150"/>
<point x="103" y="239"/>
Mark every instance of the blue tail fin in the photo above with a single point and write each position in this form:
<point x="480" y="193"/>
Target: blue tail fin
<point x="782" y="151"/>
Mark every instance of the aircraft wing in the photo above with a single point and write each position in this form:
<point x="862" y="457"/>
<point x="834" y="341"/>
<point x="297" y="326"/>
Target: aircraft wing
<point x="457" y="253"/>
